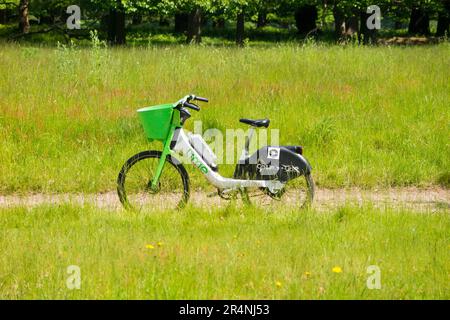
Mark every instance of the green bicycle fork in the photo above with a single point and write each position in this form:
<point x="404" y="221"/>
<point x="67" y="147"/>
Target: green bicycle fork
<point x="162" y="160"/>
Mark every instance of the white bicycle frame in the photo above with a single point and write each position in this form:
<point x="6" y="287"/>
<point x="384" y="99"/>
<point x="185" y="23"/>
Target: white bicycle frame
<point x="184" y="148"/>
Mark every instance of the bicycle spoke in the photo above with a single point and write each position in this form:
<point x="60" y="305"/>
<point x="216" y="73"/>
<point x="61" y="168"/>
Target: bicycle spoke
<point x="296" y="193"/>
<point x="168" y="193"/>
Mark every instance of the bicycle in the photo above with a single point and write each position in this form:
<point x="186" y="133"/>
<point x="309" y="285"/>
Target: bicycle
<point x="151" y="178"/>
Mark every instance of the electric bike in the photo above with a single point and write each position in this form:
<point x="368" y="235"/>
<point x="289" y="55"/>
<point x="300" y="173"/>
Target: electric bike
<point x="157" y="178"/>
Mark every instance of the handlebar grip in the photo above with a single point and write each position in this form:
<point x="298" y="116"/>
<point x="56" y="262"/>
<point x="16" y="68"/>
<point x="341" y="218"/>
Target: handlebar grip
<point x="192" y="106"/>
<point x="201" y="99"/>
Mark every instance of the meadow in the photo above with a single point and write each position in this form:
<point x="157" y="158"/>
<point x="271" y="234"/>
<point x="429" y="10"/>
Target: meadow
<point x="368" y="118"/>
<point x="223" y="253"/>
<point x="371" y="117"/>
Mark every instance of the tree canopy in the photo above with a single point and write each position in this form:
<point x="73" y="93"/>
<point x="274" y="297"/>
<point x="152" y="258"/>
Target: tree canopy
<point x="310" y="17"/>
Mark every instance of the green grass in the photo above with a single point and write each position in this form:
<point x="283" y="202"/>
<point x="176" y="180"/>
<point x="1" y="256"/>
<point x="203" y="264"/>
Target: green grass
<point x="223" y="253"/>
<point x="367" y="116"/>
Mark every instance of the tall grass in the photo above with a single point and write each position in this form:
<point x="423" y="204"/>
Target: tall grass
<point x="370" y="117"/>
<point x="222" y="253"/>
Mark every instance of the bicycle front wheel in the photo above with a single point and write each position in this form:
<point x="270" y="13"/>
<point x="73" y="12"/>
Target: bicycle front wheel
<point x="135" y="180"/>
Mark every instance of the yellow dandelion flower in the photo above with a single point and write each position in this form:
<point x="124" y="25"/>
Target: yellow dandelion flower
<point x="160" y="244"/>
<point x="278" y="284"/>
<point x="149" y="246"/>
<point x="307" y="273"/>
<point x="337" y="269"/>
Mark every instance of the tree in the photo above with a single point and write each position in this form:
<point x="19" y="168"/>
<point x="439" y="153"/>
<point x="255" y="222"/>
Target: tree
<point x="366" y="35"/>
<point x="240" y="9"/>
<point x="262" y="18"/>
<point x="419" y="22"/>
<point x="7" y="10"/>
<point x="305" y="13"/>
<point x="346" y="18"/>
<point x="188" y="16"/>
<point x="351" y="17"/>
<point x="181" y="22"/>
<point x="398" y="11"/>
<point x="194" y="26"/>
<point x="443" y="25"/>
<point x="240" y="27"/>
<point x="116" y="24"/>
<point x="339" y="18"/>
<point x="24" y="23"/>
<point x="305" y="18"/>
<point x="113" y="14"/>
<point x="421" y="13"/>
<point x="263" y="8"/>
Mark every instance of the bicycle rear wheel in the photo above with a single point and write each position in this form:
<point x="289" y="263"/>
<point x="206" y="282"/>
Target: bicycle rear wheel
<point x="296" y="193"/>
<point x="135" y="179"/>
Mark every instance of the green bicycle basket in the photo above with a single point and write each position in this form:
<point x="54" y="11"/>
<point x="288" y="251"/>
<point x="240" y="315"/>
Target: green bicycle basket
<point x="156" y="121"/>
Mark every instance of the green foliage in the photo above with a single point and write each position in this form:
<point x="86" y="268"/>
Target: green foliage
<point x="67" y="59"/>
<point x="99" y="58"/>
<point x="9" y="4"/>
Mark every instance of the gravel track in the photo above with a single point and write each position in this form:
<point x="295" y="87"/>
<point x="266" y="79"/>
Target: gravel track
<point x="434" y="199"/>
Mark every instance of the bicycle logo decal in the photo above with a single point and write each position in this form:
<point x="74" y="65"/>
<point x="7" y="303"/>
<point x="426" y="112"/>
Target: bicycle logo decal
<point x="273" y="153"/>
<point x="197" y="162"/>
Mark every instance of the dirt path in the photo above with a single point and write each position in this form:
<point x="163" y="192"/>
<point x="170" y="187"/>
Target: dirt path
<point x="434" y="199"/>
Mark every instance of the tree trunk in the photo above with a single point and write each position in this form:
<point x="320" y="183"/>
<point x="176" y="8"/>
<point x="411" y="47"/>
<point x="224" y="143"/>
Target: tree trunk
<point x="220" y="23"/>
<point x="339" y="23"/>
<point x="262" y="19"/>
<point x="181" y="22"/>
<point x="194" y="26"/>
<point x="443" y="25"/>
<point x="116" y="25"/>
<point x="419" y="22"/>
<point x="351" y="25"/>
<point x="305" y="19"/>
<point x="366" y="35"/>
<point x="24" y="23"/>
<point x="240" y="28"/>
<point x="2" y="16"/>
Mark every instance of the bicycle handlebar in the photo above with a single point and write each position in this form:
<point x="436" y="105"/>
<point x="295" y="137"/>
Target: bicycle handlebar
<point x="191" y="105"/>
<point x="185" y="101"/>
<point x="201" y="99"/>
